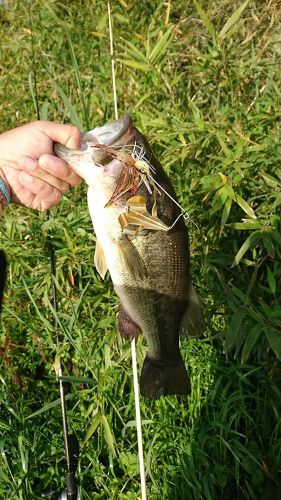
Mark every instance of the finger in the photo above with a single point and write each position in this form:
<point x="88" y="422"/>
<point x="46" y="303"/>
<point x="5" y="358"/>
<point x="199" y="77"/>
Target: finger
<point x="24" y="196"/>
<point x="45" y="194"/>
<point x="59" y="168"/>
<point x="33" y="168"/>
<point x="65" y="134"/>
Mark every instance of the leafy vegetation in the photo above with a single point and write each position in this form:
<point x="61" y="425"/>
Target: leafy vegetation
<point x="202" y="81"/>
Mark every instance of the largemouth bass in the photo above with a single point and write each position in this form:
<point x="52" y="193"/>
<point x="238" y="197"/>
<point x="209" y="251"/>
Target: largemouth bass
<point x="142" y="240"/>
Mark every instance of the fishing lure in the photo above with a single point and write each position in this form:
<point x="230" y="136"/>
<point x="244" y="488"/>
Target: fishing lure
<point x="137" y="169"/>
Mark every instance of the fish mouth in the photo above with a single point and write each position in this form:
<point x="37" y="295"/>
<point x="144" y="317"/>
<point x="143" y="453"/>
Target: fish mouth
<point x="109" y="133"/>
<point x="115" y="133"/>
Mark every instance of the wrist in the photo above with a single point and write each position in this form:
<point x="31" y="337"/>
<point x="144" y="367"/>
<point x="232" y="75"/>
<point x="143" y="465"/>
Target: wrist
<point x="5" y="193"/>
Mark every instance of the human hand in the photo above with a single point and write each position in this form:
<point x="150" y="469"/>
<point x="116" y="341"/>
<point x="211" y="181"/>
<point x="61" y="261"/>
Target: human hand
<point x="36" y="177"/>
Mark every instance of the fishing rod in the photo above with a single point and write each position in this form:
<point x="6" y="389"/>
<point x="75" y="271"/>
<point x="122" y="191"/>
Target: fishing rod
<point x="71" y="445"/>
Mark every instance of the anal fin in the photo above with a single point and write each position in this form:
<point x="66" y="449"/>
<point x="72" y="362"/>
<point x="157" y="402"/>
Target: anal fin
<point x="126" y="326"/>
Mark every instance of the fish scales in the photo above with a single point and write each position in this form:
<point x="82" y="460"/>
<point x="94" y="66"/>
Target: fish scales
<point x="149" y="266"/>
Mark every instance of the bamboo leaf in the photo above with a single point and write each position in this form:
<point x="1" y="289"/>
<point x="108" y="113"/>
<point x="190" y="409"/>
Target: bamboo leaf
<point x="271" y="281"/>
<point x="197" y="116"/>
<point x="248" y="224"/>
<point x="161" y="46"/>
<point x="276" y="236"/>
<point x="134" y="51"/>
<point x="142" y="99"/>
<point x="227" y="151"/>
<point x="271" y="181"/>
<point x="274" y="340"/>
<point x="268" y="243"/>
<point x="147" y="45"/>
<point x="49" y="406"/>
<point x="135" y="64"/>
<point x="23" y="454"/>
<point x="233" y="330"/>
<point x="244" y="205"/>
<point x="220" y="198"/>
<point x="96" y="420"/>
<point x="277" y="201"/>
<point x="230" y="192"/>
<point x="226" y="212"/>
<point x="211" y="182"/>
<point x="251" y="341"/>
<point x="233" y="19"/>
<point x="250" y="242"/>
<point x="206" y="21"/>
<point x="108" y="436"/>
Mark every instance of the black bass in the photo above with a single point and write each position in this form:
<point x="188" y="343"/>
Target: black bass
<point x="142" y="240"/>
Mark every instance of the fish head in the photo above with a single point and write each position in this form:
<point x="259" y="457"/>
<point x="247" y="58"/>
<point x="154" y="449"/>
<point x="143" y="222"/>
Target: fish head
<point x="94" y="165"/>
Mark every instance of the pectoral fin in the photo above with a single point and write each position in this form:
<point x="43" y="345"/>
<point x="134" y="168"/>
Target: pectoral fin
<point x="100" y="261"/>
<point x="131" y="259"/>
<point x="192" y="324"/>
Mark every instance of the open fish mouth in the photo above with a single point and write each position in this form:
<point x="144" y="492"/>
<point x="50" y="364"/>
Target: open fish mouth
<point x="109" y="135"/>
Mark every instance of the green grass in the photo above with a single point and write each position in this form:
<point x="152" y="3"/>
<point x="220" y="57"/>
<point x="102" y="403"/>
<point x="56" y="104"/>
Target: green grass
<point x="205" y="88"/>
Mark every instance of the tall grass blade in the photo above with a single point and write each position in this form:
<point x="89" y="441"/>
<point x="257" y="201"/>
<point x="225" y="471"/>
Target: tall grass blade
<point x="206" y="21"/>
<point x="69" y="106"/>
<point x="49" y="406"/>
<point x="78" y="80"/>
<point x="233" y="19"/>
<point x="33" y="92"/>
<point x="44" y="320"/>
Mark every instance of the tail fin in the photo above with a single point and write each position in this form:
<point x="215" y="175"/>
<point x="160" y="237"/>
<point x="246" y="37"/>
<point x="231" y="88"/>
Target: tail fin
<point x="160" y="378"/>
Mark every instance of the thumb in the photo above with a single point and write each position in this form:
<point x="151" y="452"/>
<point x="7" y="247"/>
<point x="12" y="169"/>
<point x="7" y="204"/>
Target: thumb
<point x="65" y="134"/>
